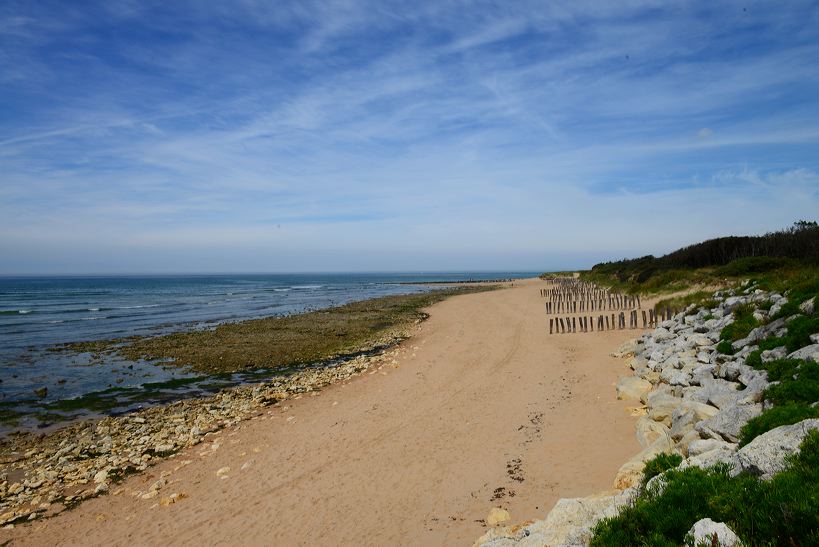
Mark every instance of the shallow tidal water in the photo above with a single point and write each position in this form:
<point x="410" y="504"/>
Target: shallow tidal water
<point x="40" y="386"/>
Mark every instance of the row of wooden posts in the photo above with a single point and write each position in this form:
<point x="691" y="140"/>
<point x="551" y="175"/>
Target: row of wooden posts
<point x="570" y="295"/>
<point x="620" y="321"/>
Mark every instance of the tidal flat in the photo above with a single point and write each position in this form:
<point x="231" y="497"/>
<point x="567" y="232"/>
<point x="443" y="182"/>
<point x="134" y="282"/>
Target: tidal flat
<point x="275" y="342"/>
<point x="228" y="355"/>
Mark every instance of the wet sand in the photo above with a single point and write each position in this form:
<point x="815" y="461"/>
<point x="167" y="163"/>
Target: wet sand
<point x="482" y="408"/>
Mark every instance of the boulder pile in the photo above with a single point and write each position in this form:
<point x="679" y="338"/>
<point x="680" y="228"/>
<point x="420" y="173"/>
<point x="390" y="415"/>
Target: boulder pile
<point x="694" y="402"/>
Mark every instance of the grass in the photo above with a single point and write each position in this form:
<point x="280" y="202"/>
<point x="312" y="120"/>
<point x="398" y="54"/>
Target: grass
<point x="660" y="282"/>
<point x="770" y="274"/>
<point x="781" y="511"/>
<point x="283" y="341"/>
<point x="702" y="299"/>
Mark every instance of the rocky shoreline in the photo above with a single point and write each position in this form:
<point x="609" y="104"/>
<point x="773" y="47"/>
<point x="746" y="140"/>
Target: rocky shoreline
<point x="694" y="401"/>
<point x="42" y="475"/>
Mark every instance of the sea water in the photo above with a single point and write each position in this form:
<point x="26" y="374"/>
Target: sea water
<point x="37" y="314"/>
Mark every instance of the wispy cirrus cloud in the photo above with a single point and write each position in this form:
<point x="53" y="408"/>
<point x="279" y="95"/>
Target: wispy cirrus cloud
<point x="436" y="135"/>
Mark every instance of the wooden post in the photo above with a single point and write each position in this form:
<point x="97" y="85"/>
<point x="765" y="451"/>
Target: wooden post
<point x="551" y="325"/>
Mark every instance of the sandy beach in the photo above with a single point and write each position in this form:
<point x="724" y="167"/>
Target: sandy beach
<point x="481" y="408"/>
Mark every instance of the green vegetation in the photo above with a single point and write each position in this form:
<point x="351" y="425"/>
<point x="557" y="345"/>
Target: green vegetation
<point x="797" y="387"/>
<point x="777" y="416"/>
<point x="781" y="511"/>
<point x="660" y="464"/>
<point x="744" y="323"/>
<point x="755" y="265"/>
<point x="774" y="257"/>
<point x="10" y="417"/>
<point x="701" y="299"/>
<point x="283" y="341"/>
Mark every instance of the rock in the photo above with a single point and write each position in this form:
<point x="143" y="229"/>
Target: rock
<point x="729" y="420"/>
<point x="661" y="406"/>
<point x="656" y="484"/>
<point x="730" y="371"/>
<point x="649" y="431"/>
<point x="773" y="354"/>
<point x="687" y="439"/>
<point x="703" y="373"/>
<point x="101" y="476"/>
<point x="808" y="306"/>
<point x="710" y="458"/>
<point x="632" y="387"/>
<point x="810" y="353"/>
<point x="41" y="392"/>
<point x="778" y="306"/>
<point x="675" y="377"/>
<point x="721" y="393"/>
<point x="626" y="348"/>
<point x="496" y="516"/>
<point x="569" y="523"/>
<point x="765" y="455"/>
<point x="759" y="333"/>
<point x="661" y="335"/>
<point x="630" y="473"/>
<point x="682" y="421"/>
<point x="706" y="531"/>
<point x="733" y="302"/>
<point x="700" y="340"/>
<point x="222" y="472"/>
<point x="706" y="445"/>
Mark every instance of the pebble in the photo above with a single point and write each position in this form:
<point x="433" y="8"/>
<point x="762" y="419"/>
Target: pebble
<point x="52" y="466"/>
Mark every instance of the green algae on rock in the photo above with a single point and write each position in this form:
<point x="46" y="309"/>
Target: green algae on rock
<point x="283" y="341"/>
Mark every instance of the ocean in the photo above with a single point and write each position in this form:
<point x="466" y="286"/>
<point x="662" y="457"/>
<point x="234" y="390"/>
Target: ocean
<point x="39" y="313"/>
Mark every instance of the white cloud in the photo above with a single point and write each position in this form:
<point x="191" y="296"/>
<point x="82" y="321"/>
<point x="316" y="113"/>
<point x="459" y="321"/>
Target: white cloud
<point x="582" y="129"/>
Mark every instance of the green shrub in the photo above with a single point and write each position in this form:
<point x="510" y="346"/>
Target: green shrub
<point x="782" y="370"/>
<point x="725" y="347"/>
<point x="781" y="511"/>
<point x="800" y="385"/>
<point x="799" y="331"/>
<point x="744" y="323"/>
<point x="799" y="292"/>
<point x="772" y="418"/>
<point x="660" y="464"/>
<point x="754" y="264"/>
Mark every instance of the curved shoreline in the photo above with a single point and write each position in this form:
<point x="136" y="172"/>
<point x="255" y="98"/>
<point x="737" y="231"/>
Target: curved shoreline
<point x="481" y="408"/>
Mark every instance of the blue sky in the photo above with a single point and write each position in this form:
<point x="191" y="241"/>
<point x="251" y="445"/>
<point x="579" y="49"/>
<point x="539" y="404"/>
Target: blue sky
<point x="142" y="136"/>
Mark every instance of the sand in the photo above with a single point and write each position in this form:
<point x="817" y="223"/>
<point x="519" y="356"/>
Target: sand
<point x="482" y="408"/>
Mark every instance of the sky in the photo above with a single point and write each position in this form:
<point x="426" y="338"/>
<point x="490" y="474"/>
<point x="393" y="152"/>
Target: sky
<point x="250" y="136"/>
